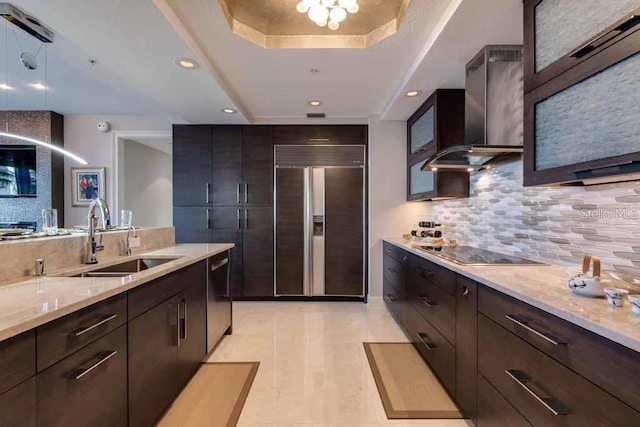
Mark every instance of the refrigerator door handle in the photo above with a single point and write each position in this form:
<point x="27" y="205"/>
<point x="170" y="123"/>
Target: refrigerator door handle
<point x="308" y="230"/>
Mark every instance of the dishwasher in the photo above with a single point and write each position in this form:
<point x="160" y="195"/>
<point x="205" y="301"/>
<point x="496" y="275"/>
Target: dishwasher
<point x="218" y="299"/>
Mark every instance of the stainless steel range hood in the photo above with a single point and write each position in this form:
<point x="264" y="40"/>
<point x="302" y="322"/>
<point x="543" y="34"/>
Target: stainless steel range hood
<point x="494" y="95"/>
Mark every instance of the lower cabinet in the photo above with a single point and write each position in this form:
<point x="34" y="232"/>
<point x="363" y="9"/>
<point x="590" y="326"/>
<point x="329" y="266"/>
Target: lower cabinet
<point x="467" y="345"/>
<point x="166" y="346"/>
<point x="153" y="362"/>
<point x="494" y="410"/>
<point x="87" y="388"/>
<point x="18" y="405"/>
<point x="218" y="299"/>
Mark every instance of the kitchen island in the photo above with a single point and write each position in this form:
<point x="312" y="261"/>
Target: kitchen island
<point x="110" y="350"/>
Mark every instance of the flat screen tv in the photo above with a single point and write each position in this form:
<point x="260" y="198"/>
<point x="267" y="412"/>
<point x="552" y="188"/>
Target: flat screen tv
<point x="17" y="170"/>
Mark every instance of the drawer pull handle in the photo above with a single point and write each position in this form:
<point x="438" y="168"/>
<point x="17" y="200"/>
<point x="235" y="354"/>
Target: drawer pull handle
<point x="524" y="324"/>
<point x="427" y="273"/>
<point x="95" y="325"/>
<point x="102" y="357"/>
<point x="388" y="251"/>
<point x="426" y="301"/>
<point x="391" y="297"/>
<point x="404" y="258"/>
<point x="465" y="290"/>
<point x="423" y="339"/>
<point x="552" y="404"/>
<point x="391" y="270"/>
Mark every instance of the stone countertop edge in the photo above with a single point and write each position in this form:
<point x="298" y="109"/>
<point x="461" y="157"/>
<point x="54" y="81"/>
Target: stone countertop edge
<point x="544" y="287"/>
<point x="22" y="304"/>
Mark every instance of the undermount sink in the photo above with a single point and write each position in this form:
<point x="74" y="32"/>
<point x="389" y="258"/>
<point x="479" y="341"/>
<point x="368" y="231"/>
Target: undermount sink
<point x="125" y="268"/>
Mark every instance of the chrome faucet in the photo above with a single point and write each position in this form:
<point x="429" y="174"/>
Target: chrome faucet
<point x="92" y="245"/>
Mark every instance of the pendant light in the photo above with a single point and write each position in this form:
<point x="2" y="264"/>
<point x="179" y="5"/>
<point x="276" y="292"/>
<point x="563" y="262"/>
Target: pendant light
<point x="30" y="63"/>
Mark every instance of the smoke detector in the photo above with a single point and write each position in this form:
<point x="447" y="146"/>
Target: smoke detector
<point x="27" y="23"/>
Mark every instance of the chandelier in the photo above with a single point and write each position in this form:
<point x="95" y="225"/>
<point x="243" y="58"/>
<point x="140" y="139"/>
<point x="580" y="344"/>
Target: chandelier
<point x="327" y="12"/>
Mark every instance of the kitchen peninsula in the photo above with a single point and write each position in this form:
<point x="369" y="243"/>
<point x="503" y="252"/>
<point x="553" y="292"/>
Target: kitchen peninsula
<point x="114" y="350"/>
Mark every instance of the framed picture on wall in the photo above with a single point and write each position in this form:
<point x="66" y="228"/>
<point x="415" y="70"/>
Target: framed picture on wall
<point x="87" y="184"/>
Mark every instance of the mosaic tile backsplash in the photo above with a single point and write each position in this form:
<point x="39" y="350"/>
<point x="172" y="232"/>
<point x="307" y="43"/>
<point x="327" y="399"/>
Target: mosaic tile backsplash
<point x="556" y="224"/>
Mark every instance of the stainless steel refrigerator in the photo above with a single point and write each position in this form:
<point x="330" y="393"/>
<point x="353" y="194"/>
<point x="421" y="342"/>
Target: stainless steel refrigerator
<point x="319" y="220"/>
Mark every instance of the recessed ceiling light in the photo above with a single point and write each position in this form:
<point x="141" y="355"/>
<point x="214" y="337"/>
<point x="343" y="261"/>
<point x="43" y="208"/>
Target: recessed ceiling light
<point x="38" y="86"/>
<point x="187" y="63"/>
<point x="412" y="93"/>
<point x="315" y="103"/>
<point x="229" y="111"/>
<point x="469" y="169"/>
<point x="5" y="86"/>
<point x="434" y="169"/>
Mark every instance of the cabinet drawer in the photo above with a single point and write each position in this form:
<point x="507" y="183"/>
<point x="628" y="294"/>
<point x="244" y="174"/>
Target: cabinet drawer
<point x="545" y="392"/>
<point x="439" y="354"/>
<point x="58" y="339"/>
<point x="17" y="360"/>
<point x="603" y="362"/>
<point x="395" y="252"/>
<point x="394" y="298"/>
<point x="439" y="276"/>
<point x="18" y="405"/>
<point x="88" y="388"/>
<point x="150" y="295"/>
<point x="494" y="410"/>
<point x="435" y="305"/>
<point x="392" y="271"/>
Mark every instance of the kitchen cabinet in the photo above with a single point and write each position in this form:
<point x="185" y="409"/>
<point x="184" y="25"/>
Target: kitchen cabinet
<point x="504" y="352"/>
<point x="438" y="123"/>
<point x="153" y="368"/>
<point x="18" y="405"/>
<point x="166" y="342"/>
<point x="224" y="175"/>
<point x="87" y="388"/>
<point x="580" y="120"/>
<point x="320" y="134"/>
<point x="467" y="346"/>
<point x="17" y="380"/>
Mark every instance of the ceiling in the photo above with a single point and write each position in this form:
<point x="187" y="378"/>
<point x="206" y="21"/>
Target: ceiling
<point x="135" y="44"/>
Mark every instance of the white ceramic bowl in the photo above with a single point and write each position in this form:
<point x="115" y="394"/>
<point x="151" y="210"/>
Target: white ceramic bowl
<point x="616" y="296"/>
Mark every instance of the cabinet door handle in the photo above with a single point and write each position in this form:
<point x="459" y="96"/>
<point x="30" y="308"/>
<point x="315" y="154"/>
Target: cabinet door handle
<point x="423" y="339"/>
<point x="602" y="38"/>
<point x="238" y="218"/>
<point x="465" y="290"/>
<point x="208" y="219"/>
<point x="238" y="193"/>
<point x="552" y="404"/>
<point x="246" y="219"/>
<point x="246" y="192"/>
<point x="391" y="297"/>
<point x="95" y="325"/>
<point x="524" y="324"/>
<point x="101" y="357"/>
<point x="183" y="319"/>
<point x="426" y="301"/>
<point x="388" y="251"/>
<point x="390" y="270"/>
<point x="178" y="324"/>
<point x="208" y="192"/>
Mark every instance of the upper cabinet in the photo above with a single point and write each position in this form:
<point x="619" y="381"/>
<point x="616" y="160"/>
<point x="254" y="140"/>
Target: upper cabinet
<point x="581" y="117"/>
<point x="437" y="124"/>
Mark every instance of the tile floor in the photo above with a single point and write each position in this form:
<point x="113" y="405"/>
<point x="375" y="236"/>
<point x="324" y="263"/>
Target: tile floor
<point x="313" y="369"/>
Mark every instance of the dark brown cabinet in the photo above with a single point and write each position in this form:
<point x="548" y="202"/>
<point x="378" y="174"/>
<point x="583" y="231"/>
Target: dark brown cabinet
<point x="467" y="345"/>
<point x="17" y="380"/>
<point x="153" y="368"/>
<point x="87" y="388"/>
<point x="580" y="120"/>
<point x="192" y="329"/>
<point x="437" y="124"/>
<point x="219" y="308"/>
<point x="224" y="175"/>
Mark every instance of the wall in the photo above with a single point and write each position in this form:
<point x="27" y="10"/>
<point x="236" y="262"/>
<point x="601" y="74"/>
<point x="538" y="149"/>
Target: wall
<point x="148" y="188"/>
<point x="557" y="224"/>
<point x="38" y="125"/>
<point x="389" y="212"/>
<point x="83" y="138"/>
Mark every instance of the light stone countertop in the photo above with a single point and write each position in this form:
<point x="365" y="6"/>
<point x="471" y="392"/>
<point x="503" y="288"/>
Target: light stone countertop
<point x="30" y="303"/>
<point x="545" y="287"/>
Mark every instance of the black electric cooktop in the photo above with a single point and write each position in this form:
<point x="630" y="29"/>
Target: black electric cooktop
<point x="468" y="255"/>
